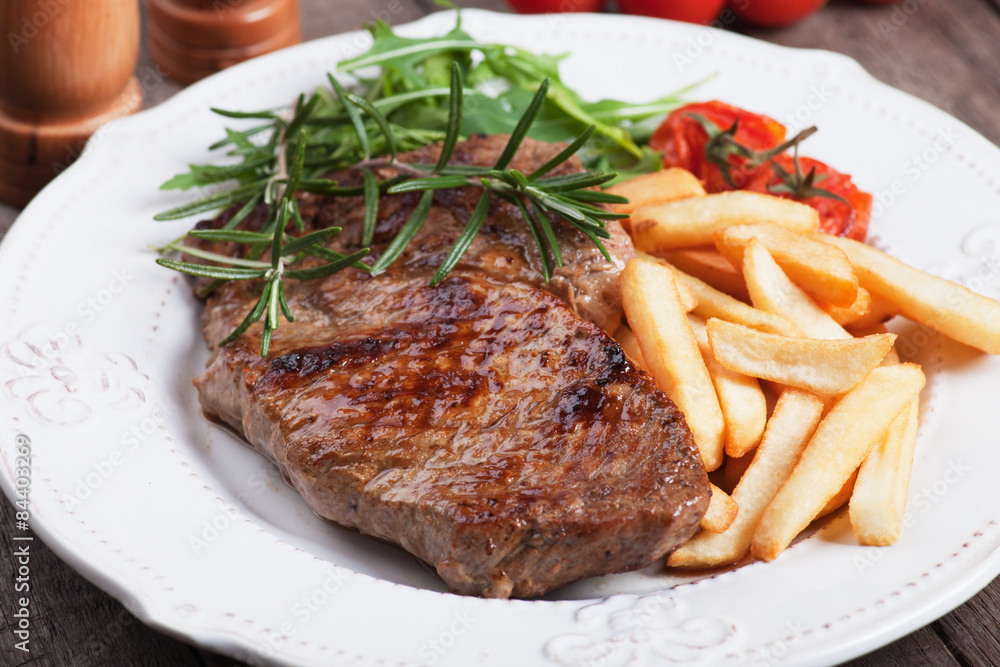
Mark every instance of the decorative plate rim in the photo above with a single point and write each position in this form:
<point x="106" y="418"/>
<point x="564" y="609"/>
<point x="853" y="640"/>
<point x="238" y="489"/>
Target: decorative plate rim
<point x="148" y="606"/>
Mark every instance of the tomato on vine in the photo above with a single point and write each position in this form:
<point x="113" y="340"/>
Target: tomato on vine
<point x="729" y="148"/>
<point x="843" y="209"/>
<point x="684" y="142"/>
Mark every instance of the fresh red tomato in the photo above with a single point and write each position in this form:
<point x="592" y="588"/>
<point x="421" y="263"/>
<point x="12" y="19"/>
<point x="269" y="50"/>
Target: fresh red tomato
<point x="835" y="217"/>
<point x="774" y="13"/>
<point x="682" y="140"/>
<point x="692" y="11"/>
<point x="551" y="6"/>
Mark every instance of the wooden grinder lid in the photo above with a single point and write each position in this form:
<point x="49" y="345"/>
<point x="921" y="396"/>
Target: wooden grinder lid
<point x="190" y="39"/>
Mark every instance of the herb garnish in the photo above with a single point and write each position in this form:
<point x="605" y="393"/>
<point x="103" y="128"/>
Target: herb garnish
<point x="438" y="89"/>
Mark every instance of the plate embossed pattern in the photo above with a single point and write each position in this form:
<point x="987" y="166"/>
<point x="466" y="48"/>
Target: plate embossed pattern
<point x="200" y="537"/>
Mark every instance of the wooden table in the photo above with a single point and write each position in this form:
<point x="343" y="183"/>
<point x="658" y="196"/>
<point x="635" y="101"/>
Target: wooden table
<point x="944" y="51"/>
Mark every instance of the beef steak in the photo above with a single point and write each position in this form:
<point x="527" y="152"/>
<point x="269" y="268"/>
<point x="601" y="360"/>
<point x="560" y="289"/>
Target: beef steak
<point x="482" y="424"/>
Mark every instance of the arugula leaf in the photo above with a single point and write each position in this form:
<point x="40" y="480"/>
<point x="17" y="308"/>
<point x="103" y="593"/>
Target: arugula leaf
<point x="410" y="94"/>
<point x="403" y="54"/>
<point x="648" y="161"/>
<point x="412" y="65"/>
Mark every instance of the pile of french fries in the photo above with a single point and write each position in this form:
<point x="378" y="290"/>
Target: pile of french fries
<point x="735" y="298"/>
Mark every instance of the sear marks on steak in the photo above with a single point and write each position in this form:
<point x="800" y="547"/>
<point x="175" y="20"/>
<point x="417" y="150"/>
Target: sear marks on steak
<point x="481" y="424"/>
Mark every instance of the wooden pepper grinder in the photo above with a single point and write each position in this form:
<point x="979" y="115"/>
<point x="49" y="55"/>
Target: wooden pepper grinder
<point x="190" y="39"/>
<point x="66" y="69"/>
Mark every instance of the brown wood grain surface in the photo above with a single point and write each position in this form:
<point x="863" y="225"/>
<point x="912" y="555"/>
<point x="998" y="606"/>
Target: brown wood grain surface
<point x="944" y="51"/>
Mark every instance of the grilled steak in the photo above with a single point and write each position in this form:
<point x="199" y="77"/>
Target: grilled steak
<point x="482" y="424"/>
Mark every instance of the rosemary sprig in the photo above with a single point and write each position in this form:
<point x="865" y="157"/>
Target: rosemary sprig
<point x="282" y="184"/>
<point x="545" y="195"/>
<point x="411" y="93"/>
<point x="272" y="298"/>
<point x="367" y="129"/>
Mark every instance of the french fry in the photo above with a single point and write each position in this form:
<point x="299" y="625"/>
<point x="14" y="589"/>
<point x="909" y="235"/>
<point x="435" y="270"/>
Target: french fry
<point x="891" y="357"/>
<point x="655" y="188"/>
<point x="771" y="290"/>
<point x="841" y="442"/>
<point x="879" y="312"/>
<point x="744" y="408"/>
<point x="660" y="324"/>
<point x="820" y="366"/>
<point x="810" y="294"/>
<point x="818" y="268"/>
<point x="841" y="497"/>
<point x="708" y="265"/>
<point x="795" y="417"/>
<point x="689" y="300"/>
<point x="626" y="339"/>
<point x="694" y="221"/>
<point x="713" y="303"/>
<point x="940" y="304"/>
<point x="722" y="511"/>
<point x="878" y="504"/>
<point x="856" y="312"/>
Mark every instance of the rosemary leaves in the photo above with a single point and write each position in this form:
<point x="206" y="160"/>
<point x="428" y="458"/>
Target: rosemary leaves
<point x="537" y="195"/>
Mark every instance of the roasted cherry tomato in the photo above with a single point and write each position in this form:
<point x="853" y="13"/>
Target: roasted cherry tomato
<point x="692" y="11"/>
<point x="835" y="216"/>
<point x="684" y="140"/>
<point x="774" y="13"/>
<point x="552" y="6"/>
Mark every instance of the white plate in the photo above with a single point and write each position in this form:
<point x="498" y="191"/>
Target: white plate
<point x="200" y="538"/>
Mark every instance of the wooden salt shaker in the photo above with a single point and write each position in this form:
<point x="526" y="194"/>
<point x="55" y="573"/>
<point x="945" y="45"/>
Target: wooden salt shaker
<point x="65" y="70"/>
<point x="190" y="39"/>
